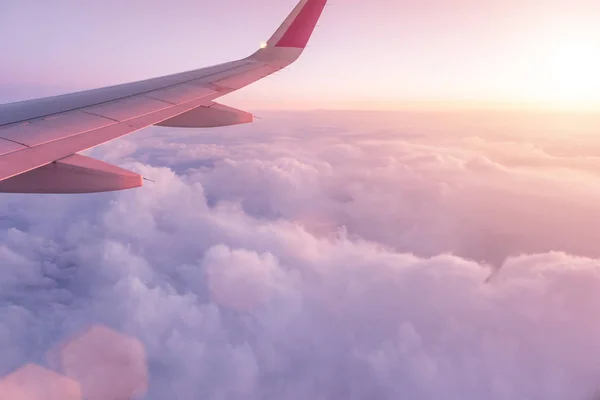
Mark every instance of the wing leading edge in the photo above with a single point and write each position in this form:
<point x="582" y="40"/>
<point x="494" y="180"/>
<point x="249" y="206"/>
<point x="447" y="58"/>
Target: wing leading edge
<point x="40" y="139"/>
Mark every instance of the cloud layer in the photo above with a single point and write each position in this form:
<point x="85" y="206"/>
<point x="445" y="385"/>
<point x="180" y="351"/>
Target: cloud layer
<point x="328" y="255"/>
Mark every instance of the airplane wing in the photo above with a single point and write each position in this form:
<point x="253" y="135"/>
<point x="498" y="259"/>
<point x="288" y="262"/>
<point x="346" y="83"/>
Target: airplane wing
<point x="40" y="139"/>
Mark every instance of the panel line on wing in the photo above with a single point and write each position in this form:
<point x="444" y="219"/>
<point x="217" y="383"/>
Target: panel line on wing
<point x="122" y="110"/>
<point x="14" y="141"/>
<point x="8" y="146"/>
<point x="48" y="129"/>
<point x="163" y="100"/>
<point x="152" y="98"/>
<point x="98" y="115"/>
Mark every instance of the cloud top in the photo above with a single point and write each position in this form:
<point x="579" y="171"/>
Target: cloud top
<point x="324" y="256"/>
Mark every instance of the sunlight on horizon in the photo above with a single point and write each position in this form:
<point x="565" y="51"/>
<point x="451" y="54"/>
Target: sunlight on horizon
<point x="571" y="78"/>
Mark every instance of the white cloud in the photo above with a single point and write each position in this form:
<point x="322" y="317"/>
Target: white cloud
<point x="238" y="279"/>
<point x="317" y="263"/>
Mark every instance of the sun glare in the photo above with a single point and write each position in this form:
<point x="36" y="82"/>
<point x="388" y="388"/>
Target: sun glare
<point x="573" y="72"/>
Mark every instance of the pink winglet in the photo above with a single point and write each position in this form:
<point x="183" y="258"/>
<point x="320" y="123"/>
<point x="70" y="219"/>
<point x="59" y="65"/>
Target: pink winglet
<point x="299" y="32"/>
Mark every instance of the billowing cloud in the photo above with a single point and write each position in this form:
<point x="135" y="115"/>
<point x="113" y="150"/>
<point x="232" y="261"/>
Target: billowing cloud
<point x="323" y="255"/>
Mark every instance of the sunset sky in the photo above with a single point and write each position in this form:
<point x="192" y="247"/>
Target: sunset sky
<point x="376" y="54"/>
<point x="316" y="254"/>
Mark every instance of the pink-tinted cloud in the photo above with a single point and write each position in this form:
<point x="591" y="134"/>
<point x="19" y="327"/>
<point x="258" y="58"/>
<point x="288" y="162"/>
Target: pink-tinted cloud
<point x="320" y="255"/>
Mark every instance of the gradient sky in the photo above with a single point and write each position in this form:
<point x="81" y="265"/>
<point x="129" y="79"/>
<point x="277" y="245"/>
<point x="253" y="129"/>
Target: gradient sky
<point x="375" y="54"/>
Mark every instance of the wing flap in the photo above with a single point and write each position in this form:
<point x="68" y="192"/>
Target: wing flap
<point x="209" y="117"/>
<point x="74" y="174"/>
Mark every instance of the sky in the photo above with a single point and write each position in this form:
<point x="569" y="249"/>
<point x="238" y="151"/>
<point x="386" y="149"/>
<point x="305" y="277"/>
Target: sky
<point x="380" y="54"/>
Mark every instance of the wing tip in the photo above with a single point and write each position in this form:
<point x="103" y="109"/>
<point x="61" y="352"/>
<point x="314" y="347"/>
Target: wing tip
<point x="296" y="30"/>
